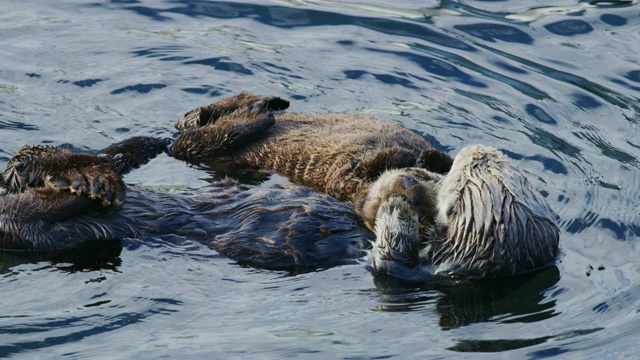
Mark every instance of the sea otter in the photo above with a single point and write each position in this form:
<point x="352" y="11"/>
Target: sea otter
<point x="491" y="222"/>
<point x="339" y="154"/>
<point x="52" y="199"/>
<point x="494" y="223"/>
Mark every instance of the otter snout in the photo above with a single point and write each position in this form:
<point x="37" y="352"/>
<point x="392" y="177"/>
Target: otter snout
<point x="416" y="189"/>
<point x="397" y="244"/>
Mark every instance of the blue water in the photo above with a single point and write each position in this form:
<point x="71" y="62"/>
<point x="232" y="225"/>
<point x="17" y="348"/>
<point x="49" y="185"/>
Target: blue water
<point x="554" y="84"/>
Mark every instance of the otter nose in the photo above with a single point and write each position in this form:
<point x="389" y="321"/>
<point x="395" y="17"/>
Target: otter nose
<point x="408" y="182"/>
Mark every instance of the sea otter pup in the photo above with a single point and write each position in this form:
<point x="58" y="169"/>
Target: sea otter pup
<point x="339" y="154"/>
<point x="52" y="199"/>
<point x="491" y="222"/>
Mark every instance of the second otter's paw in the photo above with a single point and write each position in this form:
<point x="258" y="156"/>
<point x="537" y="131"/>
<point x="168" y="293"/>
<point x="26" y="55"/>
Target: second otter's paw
<point x="210" y="114"/>
<point x="82" y="174"/>
<point x="134" y="152"/>
<point x="434" y="160"/>
<point x="100" y="182"/>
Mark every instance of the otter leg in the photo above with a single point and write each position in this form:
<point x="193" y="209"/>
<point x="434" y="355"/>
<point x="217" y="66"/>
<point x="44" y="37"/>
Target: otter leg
<point x="229" y="133"/>
<point x="211" y="113"/>
<point x="134" y="152"/>
<point x="82" y="174"/>
<point x="382" y="160"/>
<point x="434" y="160"/>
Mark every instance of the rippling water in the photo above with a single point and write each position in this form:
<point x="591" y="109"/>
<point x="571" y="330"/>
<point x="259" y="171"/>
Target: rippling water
<point x="554" y="84"/>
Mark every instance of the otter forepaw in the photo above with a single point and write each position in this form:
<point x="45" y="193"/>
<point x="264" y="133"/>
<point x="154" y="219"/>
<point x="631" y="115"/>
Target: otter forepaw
<point x="98" y="182"/>
<point x="209" y="114"/>
<point x="48" y="167"/>
<point x="134" y="152"/>
<point x="434" y="160"/>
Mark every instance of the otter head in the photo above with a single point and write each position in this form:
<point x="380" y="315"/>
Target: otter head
<point x="400" y="208"/>
<point x="417" y="187"/>
<point x="495" y="222"/>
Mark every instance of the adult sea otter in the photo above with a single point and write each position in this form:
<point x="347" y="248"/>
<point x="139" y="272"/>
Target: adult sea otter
<point x="54" y="199"/>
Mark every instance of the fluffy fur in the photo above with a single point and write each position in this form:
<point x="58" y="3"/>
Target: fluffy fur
<point x="491" y="222"/>
<point x="339" y="154"/>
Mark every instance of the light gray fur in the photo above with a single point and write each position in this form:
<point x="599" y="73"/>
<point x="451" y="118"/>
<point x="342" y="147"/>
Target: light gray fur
<point x="491" y="222"/>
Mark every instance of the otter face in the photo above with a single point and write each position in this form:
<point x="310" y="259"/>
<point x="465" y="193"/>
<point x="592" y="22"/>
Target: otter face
<point x="397" y="245"/>
<point x="496" y="222"/>
<point x="400" y="209"/>
<point x="414" y="185"/>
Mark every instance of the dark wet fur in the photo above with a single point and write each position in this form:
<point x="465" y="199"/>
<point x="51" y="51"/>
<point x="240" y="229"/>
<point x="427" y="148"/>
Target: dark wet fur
<point x="280" y="227"/>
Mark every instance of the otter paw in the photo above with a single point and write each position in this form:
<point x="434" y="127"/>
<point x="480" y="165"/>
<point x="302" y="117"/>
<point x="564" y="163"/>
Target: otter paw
<point x="48" y="167"/>
<point x="99" y="182"/>
<point x="435" y="161"/>
<point x="134" y="152"/>
<point x="210" y="114"/>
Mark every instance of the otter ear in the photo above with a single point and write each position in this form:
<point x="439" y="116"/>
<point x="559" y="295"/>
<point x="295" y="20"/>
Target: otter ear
<point x="211" y="113"/>
<point x="434" y="160"/>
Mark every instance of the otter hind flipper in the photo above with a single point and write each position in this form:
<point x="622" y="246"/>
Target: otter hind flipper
<point x="134" y="152"/>
<point x="209" y="114"/>
<point x="227" y="134"/>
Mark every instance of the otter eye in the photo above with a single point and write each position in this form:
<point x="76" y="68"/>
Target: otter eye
<point x="408" y="182"/>
<point x="450" y="210"/>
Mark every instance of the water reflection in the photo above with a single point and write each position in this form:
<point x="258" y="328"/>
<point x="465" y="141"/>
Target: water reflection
<point x="287" y="17"/>
<point x="74" y="328"/>
<point x="90" y="256"/>
<point x="493" y="32"/>
<point x="522" y="299"/>
<point x="569" y="27"/>
<point x="554" y="86"/>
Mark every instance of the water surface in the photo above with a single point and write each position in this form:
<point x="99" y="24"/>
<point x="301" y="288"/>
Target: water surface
<point x="554" y="84"/>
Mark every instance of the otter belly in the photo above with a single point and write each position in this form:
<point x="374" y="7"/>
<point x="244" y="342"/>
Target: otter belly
<point x="279" y="227"/>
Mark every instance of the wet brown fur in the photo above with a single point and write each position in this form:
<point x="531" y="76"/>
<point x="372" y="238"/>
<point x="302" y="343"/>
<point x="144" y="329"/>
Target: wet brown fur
<point x="339" y="154"/>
